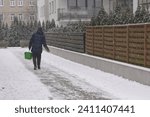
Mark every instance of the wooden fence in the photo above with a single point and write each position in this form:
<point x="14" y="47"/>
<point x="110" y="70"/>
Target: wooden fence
<point x="127" y="43"/>
<point x="69" y="41"/>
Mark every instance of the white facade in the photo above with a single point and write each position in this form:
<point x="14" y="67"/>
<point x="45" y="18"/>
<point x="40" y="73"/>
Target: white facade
<point x="54" y="7"/>
<point x="41" y="4"/>
<point x="64" y="11"/>
<point x="43" y="10"/>
<point x="135" y="5"/>
<point x="106" y="4"/>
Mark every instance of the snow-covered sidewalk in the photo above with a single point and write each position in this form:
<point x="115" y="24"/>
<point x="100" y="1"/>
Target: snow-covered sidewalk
<point x="16" y="82"/>
<point x="60" y="78"/>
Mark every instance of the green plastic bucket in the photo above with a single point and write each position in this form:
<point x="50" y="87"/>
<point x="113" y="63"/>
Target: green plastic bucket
<point x="28" y="55"/>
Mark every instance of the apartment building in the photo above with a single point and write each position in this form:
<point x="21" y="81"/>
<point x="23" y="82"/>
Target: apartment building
<point x="24" y="10"/>
<point x="65" y="11"/>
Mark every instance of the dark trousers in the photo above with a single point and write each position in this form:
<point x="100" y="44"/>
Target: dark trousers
<point x="36" y="59"/>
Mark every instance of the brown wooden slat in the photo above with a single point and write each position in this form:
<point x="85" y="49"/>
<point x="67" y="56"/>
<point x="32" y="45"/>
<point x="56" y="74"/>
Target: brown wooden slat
<point x="117" y="53"/>
<point x="136" y="51"/>
<point x="120" y="49"/>
<point x="137" y="45"/>
<point x="136" y="40"/>
<point x="136" y="56"/>
<point x="120" y="39"/>
<point x="137" y="62"/>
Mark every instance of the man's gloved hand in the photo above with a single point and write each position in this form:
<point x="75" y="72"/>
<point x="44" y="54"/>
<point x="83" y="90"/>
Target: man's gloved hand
<point x="47" y="49"/>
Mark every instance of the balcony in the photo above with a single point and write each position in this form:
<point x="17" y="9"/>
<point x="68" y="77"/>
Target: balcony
<point x="77" y="13"/>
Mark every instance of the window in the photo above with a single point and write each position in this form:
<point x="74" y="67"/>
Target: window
<point x="31" y="3"/>
<point x="1" y="17"/>
<point x="90" y="3"/>
<point x="20" y="17"/>
<point x="32" y="17"/>
<point x="20" y="2"/>
<point x="42" y="11"/>
<point x="72" y="4"/>
<point x="12" y="3"/>
<point x="12" y="16"/>
<point x="145" y="4"/>
<point x="86" y="3"/>
<point x="52" y="6"/>
<point x="55" y="6"/>
<point x="1" y="2"/>
<point x="98" y="3"/>
<point x="111" y="8"/>
<point x="81" y="3"/>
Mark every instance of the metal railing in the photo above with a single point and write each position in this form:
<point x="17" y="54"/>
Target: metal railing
<point x="77" y="13"/>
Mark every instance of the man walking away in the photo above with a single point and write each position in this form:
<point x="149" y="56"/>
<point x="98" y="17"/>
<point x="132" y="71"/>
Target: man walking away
<point x="36" y="42"/>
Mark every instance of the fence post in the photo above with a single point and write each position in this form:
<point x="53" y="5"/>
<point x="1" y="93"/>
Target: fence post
<point x="84" y="39"/>
<point x="103" y="39"/>
<point x="113" y="42"/>
<point x="93" y="40"/>
<point x="145" y="47"/>
<point x="127" y="41"/>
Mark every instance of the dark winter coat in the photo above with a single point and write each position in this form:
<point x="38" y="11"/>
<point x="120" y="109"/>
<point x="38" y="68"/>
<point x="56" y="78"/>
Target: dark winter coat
<point x="36" y="42"/>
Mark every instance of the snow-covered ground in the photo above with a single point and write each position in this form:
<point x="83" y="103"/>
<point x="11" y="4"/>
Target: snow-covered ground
<point x="16" y="82"/>
<point x="61" y="79"/>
